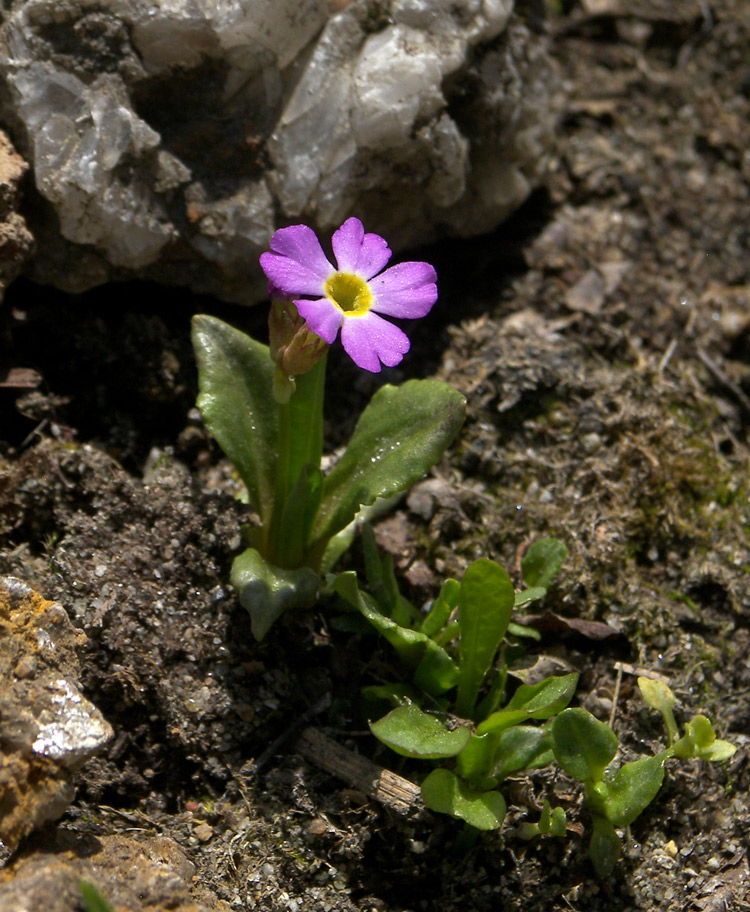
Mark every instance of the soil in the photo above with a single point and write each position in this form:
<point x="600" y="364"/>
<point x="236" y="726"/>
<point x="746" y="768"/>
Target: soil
<point x="602" y="339"/>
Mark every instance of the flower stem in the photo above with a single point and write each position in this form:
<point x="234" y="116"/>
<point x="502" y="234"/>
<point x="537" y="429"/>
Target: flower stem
<point x="281" y="489"/>
<point x="300" y="444"/>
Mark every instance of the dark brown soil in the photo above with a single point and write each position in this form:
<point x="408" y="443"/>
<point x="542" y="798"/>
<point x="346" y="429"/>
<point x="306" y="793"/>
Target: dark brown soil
<point x="603" y="342"/>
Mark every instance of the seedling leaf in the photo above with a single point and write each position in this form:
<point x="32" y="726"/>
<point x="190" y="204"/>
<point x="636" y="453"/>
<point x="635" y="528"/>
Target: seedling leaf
<point x="413" y="733"/>
<point x="533" y="701"/>
<point x="444" y="792"/>
<point x="605" y="847"/>
<point x="633" y="788"/>
<point x="434" y="670"/>
<point x="485" y="602"/>
<point x="542" y="561"/>
<point x="583" y="745"/>
<point x="522" y="747"/>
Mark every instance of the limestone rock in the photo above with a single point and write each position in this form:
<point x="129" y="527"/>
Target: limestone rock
<point x="48" y="727"/>
<point x="154" y="875"/>
<point x="170" y="138"/>
<point x="16" y="241"/>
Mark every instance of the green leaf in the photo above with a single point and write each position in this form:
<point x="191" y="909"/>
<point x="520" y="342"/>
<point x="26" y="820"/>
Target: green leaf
<point x="551" y="823"/>
<point x="494" y="695"/>
<point x="266" y="592"/>
<point x="521" y="630"/>
<point x="380" y="698"/>
<point x="542" y="561"/>
<point x="702" y="732"/>
<point x="660" y="697"/>
<point x="529" y="595"/>
<point x="605" y="846"/>
<point x="236" y="400"/>
<point x="545" y="698"/>
<point x="533" y="701"/>
<point x="445" y="793"/>
<point x="556" y="822"/>
<point x="401" y="434"/>
<point x="381" y="578"/>
<point x="477" y="759"/>
<point x="485" y="602"/>
<point x="521" y="748"/>
<point x="327" y="553"/>
<point x="633" y="788"/>
<point x="718" y="751"/>
<point x="442" y="608"/>
<point x="583" y="745"/>
<point x="413" y="733"/>
<point x="93" y="901"/>
<point x="656" y="694"/>
<point x="375" y="575"/>
<point x="435" y="671"/>
<point x="703" y="743"/>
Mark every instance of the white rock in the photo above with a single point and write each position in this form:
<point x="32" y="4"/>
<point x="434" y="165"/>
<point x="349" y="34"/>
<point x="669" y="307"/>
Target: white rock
<point x="172" y="137"/>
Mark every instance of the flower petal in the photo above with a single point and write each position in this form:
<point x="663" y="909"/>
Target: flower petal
<point x="347" y="243"/>
<point x="322" y="316"/>
<point x="300" y="243"/>
<point x="297" y="264"/>
<point x="368" y="340"/>
<point x="357" y="252"/>
<point x="290" y="278"/>
<point x="407" y="290"/>
<point x="373" y="256"/>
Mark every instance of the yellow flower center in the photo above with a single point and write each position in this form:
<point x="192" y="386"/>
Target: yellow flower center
<point x="349" y="293"/>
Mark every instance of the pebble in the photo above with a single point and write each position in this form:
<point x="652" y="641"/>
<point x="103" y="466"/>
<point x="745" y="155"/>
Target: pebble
<point x="317" y="827"/>
<point x="203" y="832"/>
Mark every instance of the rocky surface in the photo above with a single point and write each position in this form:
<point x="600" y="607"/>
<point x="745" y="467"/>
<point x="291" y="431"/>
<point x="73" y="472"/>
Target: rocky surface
<point x="49" y="729"/>
<point x="149" y="876"/>
<point x="169" y="140"/>
<point x="16" y="241"/>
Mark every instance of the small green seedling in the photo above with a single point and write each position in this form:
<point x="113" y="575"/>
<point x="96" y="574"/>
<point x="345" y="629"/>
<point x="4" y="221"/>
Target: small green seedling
<point x="452" y="707"/>
<point x="585" y="748"/>
<point x="93" y="901"/>
<point x="699" y="739"/>
<point x="551" y="823"/>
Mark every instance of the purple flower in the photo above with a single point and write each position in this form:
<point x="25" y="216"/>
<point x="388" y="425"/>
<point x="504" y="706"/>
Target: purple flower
<point x="351" y="296"/>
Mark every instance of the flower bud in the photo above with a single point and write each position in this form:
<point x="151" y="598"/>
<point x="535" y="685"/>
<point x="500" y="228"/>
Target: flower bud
<point x="295" y="349"/>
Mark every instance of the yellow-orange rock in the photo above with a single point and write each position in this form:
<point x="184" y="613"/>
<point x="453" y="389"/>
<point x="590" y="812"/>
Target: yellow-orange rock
<point x="48" y="727"/>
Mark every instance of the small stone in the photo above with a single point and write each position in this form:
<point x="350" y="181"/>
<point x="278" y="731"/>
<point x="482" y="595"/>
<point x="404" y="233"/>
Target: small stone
<point x="317" y="827"/>
<point x="204" y="832"/>
<point x="25" y="668"/>
<point x="591" y="442"/>
<point x="587" y="294"/>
